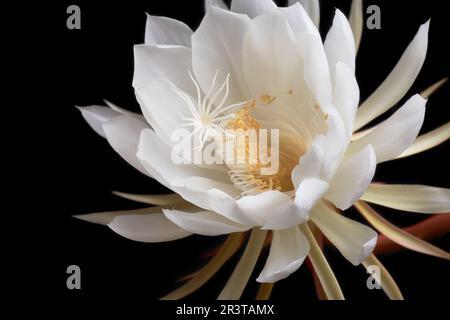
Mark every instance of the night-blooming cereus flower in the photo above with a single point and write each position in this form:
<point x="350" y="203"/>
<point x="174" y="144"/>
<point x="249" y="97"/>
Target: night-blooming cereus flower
<point x="256" y="67"/>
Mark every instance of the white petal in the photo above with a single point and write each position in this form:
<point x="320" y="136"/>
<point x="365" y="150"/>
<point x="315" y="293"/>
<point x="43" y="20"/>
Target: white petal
<point x="168" y="63"/>
<point x="146" y="225"/>
<point x="153" y="227"/>
<point x="273" y="65"/>
<point x="123" y="133"/>
<point x="414" y="198"/>
<point x="207" y="189"/>
<point x="163" y="108"/>
<point x="96" y="116"/>
<point x="206" y="223"/>
<point x="104" y="218"/>
<point x="216" y="3"/>
<point x="309" y="192"/>
<point x="299" y="20"/>
<point x="217" y="45"/>
<point x="352" y="178"/>
<point x="302" y="27"/>
<point x="155" y="156"/>
<point x="121" y="110"/>
<point x="167" y="31"/>
<point x="391" y="137"/>
<point x="252" y="8"/>
<point x="274" y="210"/>
<point x="312" y="7"/>
<point x="346" y="96"/>
<point x="310" y="164"/>
<point x="288" y="250"/>
<point x="395" y="86"/>
<point x="340" y="45"/>
<point x="317" y="73"/>
<point x="354" y="240"/>
<point x="356" y="20"/>
<point x="216" y="197"/>
<point x="324" y="156"/>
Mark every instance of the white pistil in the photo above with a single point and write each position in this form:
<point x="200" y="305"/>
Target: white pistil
<point x="208" y="118"/>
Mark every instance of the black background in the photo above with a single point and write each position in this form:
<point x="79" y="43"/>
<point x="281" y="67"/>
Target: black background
<point x="74" y="170"/>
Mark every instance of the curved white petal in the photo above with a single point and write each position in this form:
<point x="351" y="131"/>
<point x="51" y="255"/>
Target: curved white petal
<point x="155" y="156"/>
<point x="288" y="250"/>
<point x="270" y="47"/>
<point x="96" y="116"/>
<point x="299" y="20"/>
<point x="340" y="45"/>
<point x="271" y="209"/>
<point x="317" y="73"/>
<point x="324" y="155"/>
<point x="356" y="20"/>
<point x="346" y="96"/>
<point x="428" y="140"/>
<point x="309" y="193"/>
<point x="352" y="178"/>
<point x="121" y="110"/>
<point x="354" y="240"/>
<point x="312" y="7"/>
<point x="252" y="8"/>
<point x="163" y="108"/>
<point x="311" y="165"/>
<point x="208" y="189"/>
<point x="163" y="62"/>
<point x="216" y="3"/>
<point x="414" y="198"/>
<point x="153" y="227"/>
<point x="395" y="86"/>
<point x="123" y="133"/>
<point x="274" y="210"/>
<point x="217" y="46"/>
<point x="206" y="223"/>
<point x="146" y="225"/>
<point x="167" y="31"/>
<point x="391" y="137"/>
<point x="106" y="217"/>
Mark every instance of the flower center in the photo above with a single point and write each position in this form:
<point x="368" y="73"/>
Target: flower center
<point x="210" y="117"/>
<point x="248" y="177"/>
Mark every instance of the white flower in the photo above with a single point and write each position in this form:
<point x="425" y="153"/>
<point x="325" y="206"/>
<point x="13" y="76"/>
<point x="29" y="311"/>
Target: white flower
<point x="260" y="66"/>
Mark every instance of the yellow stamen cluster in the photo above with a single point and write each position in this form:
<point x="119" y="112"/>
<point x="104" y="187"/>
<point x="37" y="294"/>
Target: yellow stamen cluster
<point x="247" y="177"/>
